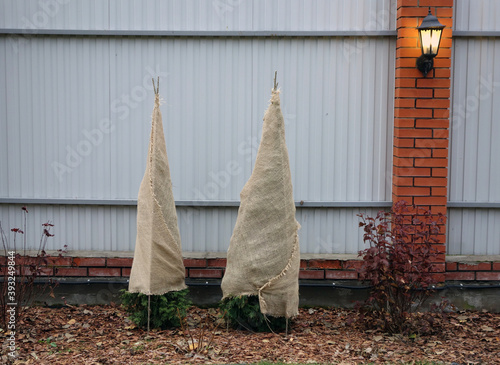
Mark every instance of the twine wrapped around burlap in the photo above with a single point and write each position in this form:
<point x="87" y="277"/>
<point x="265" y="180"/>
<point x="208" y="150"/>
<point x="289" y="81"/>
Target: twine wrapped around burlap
<point x="158" y="267"/>
<point x="263" y="257"/>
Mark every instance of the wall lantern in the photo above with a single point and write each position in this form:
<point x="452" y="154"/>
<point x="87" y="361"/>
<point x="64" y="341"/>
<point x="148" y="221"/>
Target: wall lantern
<point x="429" y="32"/>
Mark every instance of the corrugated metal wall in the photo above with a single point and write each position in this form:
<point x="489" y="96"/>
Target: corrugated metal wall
<point x="75" y="114"/>
<point x="474" y="164"/>
<point x="199" y="15"/>
<point x="66" y="148"/>
<point x="203" y="229"/>
<point x="78" y="112"/>
<point x="474" y="15"/>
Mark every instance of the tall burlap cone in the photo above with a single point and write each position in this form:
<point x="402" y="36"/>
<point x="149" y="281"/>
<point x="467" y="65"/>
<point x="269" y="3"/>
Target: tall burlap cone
<point x="264" y="257"/>
<point x="157" y="267"/>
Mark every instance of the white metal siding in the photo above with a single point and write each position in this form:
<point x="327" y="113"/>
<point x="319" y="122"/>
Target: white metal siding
<point x="473" y="231"/>
<point x="60" y="93"/>
<point x="475" y="131"/>
<point x="113" y="228"/>
<point x="92" y="228"/>
<point x="202" y="15"/>
<point x="78" y="115"/>
<point x="474" y="175"/>
<point x="477" y="15"/>
<point x="75" y="113"/>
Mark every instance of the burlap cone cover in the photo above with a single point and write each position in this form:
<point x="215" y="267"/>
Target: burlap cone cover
<point x="264" y="257"/>
<point x="157" y="267"/>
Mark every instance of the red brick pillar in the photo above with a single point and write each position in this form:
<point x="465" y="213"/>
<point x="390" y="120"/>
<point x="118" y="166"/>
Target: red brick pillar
<point x="421" y="112"/>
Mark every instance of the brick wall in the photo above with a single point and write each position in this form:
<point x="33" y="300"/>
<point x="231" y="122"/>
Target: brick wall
<point x="421" y="110"/>
<point x="213" y="268"/>
<point x="421" y="114"/>
<point x="482" y="271"/>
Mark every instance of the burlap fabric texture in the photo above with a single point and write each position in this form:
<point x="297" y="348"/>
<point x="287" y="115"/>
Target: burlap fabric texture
<point x="158" y="267"/>
<point x="263" y="258"/>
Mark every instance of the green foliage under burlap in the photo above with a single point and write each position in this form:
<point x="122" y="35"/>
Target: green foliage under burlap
<point x="167" y="310"/>
<point x="243" y="312"/>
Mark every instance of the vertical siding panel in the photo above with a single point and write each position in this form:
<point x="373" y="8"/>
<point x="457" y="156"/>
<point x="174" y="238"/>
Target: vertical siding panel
<point x="342" y="236"/>
<point x="457" y="140"/>
<point x="381" y="150"/>
<point x="56" y="115"/>
<point x="61" y="115"/>
<point x="13" y="100"/>
<point x="494" y="242"/>
<point x="85" y="93"/>
<point x="325" y="190"/>
<point x="4" y="117"/>
<point x="367" y="126"/>
<point x="452" y="232"/>
<point x="337" y="241"/>
<point x="326" y="135"/>
<point x="288" y="79"/>
<point x="316" y="129"/>
<point x="304" y="145"/>
<point x="461" y="19"/>
<point x="121" y="230"/>
<point x="188" y="122"/>
<point x="114" y="59"/>
<point x="353" y="120"/>
<point x="481" y="231"/>
<point x="489" y="224"/>
<point x="245" y="141"/>
<point x="132" y="233"/>
<point x="139" y="118"/>
<point x="494" y="76"/>
<point x="469" y="231"/>
<point x="25" y="123"/>
<point x="484" y="121"/>
<point x="340" y="166"/>
<point x="471" y="131"/>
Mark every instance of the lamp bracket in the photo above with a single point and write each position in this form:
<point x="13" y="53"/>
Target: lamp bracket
<point x="425" y="63"/>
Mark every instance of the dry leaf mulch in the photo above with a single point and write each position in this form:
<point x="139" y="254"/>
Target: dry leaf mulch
<point x="104" y="335"/>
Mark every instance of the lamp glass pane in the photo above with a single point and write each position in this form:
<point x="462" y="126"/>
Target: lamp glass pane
<point x="430" y="41"/>
<point x="435" y="39"/>
<point x="425" y="38"/>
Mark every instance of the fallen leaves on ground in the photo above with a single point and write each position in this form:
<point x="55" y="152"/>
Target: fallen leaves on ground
<point x="104" y="335"/>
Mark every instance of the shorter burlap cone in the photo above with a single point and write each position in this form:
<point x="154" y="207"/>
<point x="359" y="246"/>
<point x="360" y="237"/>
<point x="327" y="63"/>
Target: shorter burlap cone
<point x="158" y="267"/>
<point x="263" y="258"/>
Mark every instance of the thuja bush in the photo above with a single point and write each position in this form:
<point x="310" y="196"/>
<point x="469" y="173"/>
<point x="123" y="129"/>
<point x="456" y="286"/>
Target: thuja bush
<point x="399" y="266"/>
<point x="243" y="312"/>
<point x="167" y="310"/>
<point x="21" y="274"/>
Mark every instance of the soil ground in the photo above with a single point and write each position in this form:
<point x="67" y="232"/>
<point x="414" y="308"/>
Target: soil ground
<point x="104" y="335"/>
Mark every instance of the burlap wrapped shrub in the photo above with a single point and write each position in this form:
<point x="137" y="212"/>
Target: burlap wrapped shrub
<point x="263" y="258"/>
<point x="158" y="267"/>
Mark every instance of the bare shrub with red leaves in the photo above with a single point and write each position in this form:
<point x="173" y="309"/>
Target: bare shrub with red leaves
<point x="21" y="273"/>
<point x="399" y="266"/>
